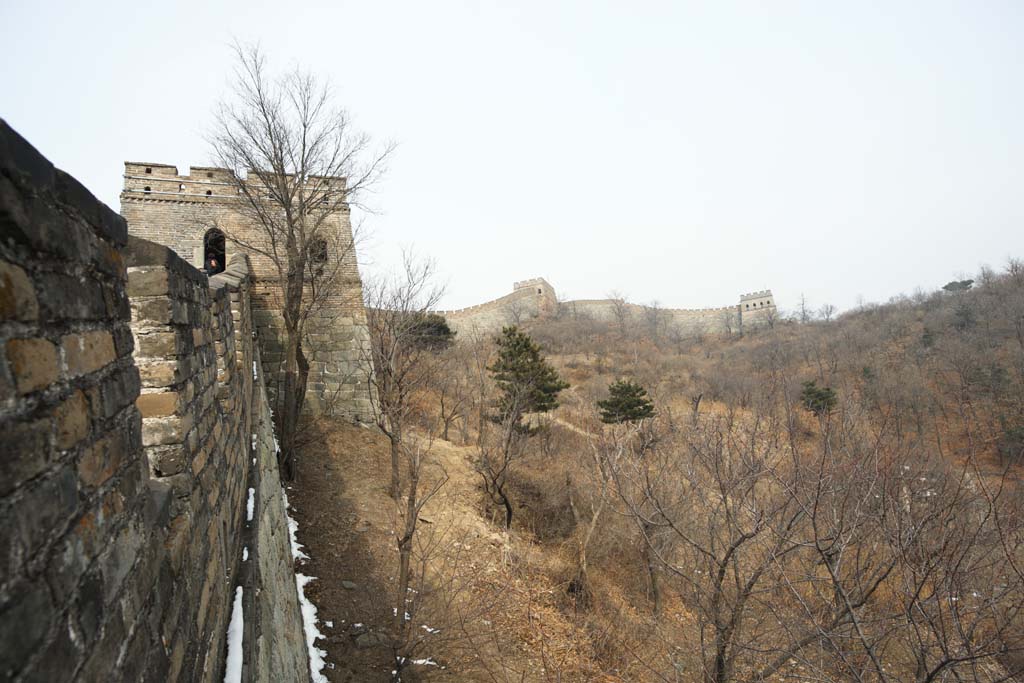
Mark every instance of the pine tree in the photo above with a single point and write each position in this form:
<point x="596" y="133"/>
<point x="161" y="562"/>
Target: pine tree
<point x="818" y="400"/>
<point x="627" y="402"/>
<point x="528" y="383"/>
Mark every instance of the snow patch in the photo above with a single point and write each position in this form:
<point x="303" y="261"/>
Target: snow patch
<point x="245" y="553"/>
<point x="233" y="669"/>
<point x="250" y="505"/>
<point x="293" y="527"/>
<point x="309" y="625"/>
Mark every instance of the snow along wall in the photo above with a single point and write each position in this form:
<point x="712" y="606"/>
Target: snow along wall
<point x="132" y="429"/>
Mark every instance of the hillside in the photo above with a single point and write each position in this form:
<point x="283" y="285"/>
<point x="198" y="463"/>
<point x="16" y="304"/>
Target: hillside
<point x="736" y="536"/>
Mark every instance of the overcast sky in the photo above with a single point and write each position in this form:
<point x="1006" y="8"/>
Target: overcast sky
<point x="679" y="152"/>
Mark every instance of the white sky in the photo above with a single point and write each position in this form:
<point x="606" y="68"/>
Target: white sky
<point x="683" y="152"/>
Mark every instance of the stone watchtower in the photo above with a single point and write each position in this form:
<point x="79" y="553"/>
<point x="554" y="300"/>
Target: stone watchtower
<point x="197" y="215"/>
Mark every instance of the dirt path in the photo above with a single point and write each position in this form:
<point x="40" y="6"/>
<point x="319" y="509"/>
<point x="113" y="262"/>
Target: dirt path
<point x="346" y="518"/>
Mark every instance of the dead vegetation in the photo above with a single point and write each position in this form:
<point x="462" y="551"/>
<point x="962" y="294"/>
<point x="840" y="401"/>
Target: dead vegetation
<point x="737" y="535"/>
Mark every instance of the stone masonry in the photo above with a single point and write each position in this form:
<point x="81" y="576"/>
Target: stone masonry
<point x="134" y="429"/>
<point x="182" y="211"/>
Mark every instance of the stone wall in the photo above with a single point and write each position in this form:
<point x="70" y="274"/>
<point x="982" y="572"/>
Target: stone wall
<point x="178" y="211"/>
<point x="132" y="428"/>
<point x="532" y="299"/>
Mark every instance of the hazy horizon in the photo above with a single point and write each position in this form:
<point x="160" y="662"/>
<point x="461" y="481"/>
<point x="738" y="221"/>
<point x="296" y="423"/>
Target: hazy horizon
<point x="684" y="154"/>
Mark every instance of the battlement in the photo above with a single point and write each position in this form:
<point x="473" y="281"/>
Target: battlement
<point x="756" y="295"/>
<point x="533" y="282"/>
<point x="162" y="182"/>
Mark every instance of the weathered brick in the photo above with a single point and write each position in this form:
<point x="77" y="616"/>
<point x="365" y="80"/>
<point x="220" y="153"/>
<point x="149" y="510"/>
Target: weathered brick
<point x="23" y="623"/>
<point x="102" y="459"/>
<point x="167" y="460"/>
<point x="157" y="344"/>
<point x="155" y="310"/>
<point x="68" y="297"/>
<point x="88" y="352"/>
<point x="158" y="404"/>
<point x="158" y="431"/>
<point x="158" y="373"/>
<point x="17" y="296"/>
<point x="47" y="505"/>
<point x="33" y="363"/>
<point x="147" y="281"/>
<point x="72" y="420"/>
<point x="24" y="451"/>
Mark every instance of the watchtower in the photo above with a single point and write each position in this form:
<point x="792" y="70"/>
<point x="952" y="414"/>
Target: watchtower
<point x="199" y="216"/>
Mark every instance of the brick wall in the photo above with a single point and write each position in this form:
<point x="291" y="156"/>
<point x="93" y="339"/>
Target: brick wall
<point x="131" y="429"/>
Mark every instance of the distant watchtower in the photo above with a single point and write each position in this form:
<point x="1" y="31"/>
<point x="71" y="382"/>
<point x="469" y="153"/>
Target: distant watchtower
<point x="197" y="215"/>
<point x="757" y="309"/>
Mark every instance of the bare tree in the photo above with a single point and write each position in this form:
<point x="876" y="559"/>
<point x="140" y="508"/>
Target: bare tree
<point x="655" y="318"/>
<point x="620" y="311"/>
<point x="298" y="165"/>
<point x="804" y="313"/>
<point x="826" y="312"/>
<point x="416" y="454"/>
<point x="397" y="362"/>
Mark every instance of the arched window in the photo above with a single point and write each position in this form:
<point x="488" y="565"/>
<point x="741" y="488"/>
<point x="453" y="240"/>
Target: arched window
<point x="318" y="256"/>
<point x="213" y="251"/>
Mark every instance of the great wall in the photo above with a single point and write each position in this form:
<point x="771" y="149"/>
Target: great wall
<point x="138" y="468"/>
<point x="535" y="298"/>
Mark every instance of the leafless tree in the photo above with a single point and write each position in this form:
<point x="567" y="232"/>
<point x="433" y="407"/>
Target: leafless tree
<point x="826" y="312"/>
<point x="298" y="165"/>
<point x="514" y="312"/>
<point x="620" y="311"/>
<point x="803" y="312"/>
<point x="452" y="385"/>
<point x="655" y="318"/>
<point x="397" y="362"/>
<point x="416" y="454"/>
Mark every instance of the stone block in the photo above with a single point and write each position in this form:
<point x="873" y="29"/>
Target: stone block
<point x="45" y="506"/>
<point x="88" y="352"/>
<point x="17" y="296"/>
<point x="155" y="374"/>
<point x="33" y="363"/>
<point x="160" y="431"/>
<point x="103" y="458"/>
<point x="23" y="623"/>
<point x="66" y="297"/>
<point x="158" y="404"/>
<point x="155" y="310"/>
<point x="157" y="344"/>
<point x="167" y="460"/>
<point x="72" y="420"/>
<point x="147" y="281"/>
<point x="24" y="452"/>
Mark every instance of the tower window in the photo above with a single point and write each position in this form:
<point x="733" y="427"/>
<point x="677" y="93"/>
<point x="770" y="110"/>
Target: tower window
<point x="213" y="251"/>
<point x="209" y="193"/>
<point x="538" y="291"/>
<point x="149" y="169"/>
<point x="317" y="256"/>
<point x="147" y="189"/>
<point x="181" y="187"/>
<point x="209" y="174"/>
